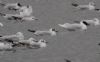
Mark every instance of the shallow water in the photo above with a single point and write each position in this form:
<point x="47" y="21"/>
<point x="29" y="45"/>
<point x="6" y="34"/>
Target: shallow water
<point x="76" y="46"/>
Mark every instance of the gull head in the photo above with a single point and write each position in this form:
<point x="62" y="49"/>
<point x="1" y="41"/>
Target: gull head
<point x="53" y="31"/>
<point x="96" y="21"/>
<point x="43" y="41"/>
<point x="92" y="3"/>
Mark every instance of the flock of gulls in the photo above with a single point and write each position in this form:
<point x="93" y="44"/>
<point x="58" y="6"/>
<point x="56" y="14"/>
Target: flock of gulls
<point x="24" y="13"/>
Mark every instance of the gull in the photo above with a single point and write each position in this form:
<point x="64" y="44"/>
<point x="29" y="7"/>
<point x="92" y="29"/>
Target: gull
<point x="30" y="41"/>
<point x="73" y="26"/>
<point x="33" y="43"/>
<point x="90" y="6"/>
<point x="94" y="21"/>
<point x="18" y="35"/>
<point x="26" y="43"/>
<point x="9" y="38"/>
<point x="12" y="6"/>
<point x="39" y="44"/>
<point x="42" y="43"/>
<point x="18" y="17"/>
<point x="26" y="10"/>
<point x="23" y="10"/>
<point x="51" y="32"/>
<point x="6" y="47"/>
<point x="29" y="18"/>
<point x="20" y="42"/>
<point x="11" y="16"/>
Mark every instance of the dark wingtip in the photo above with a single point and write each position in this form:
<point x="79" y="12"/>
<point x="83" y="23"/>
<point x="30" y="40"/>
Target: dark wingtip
<point x="67" y="60"/>
<point x="99" y="44"/>
<point x="97" y="9"/>
<point x="36" y="19"/>
<point x="53" y="29"/>
<point x="74" y="4"/>
<point x="87" y="24"/>
<point x="19" y="4"/>
<point x="1" y="36"/>
<point x="31" y="30"/>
